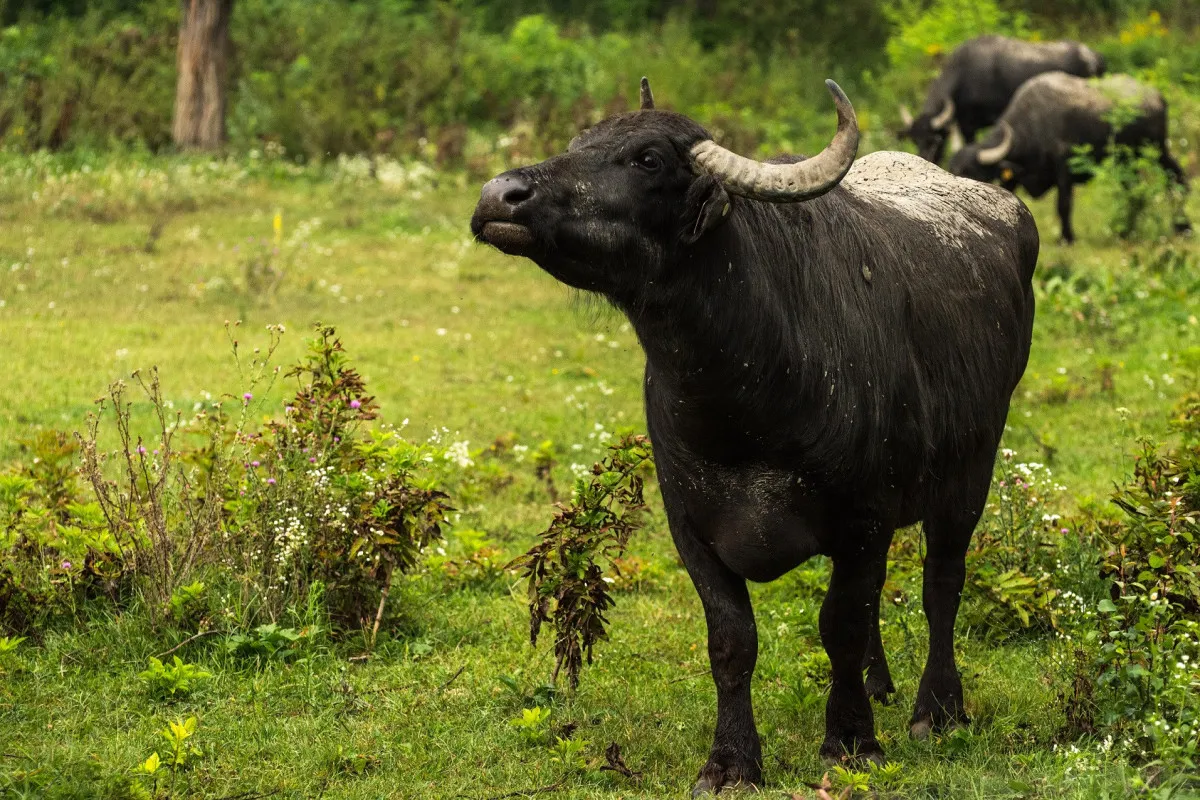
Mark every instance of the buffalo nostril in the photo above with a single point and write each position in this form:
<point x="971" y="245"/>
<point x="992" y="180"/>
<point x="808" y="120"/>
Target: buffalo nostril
<point x="506" y="192"/>
<point x="515" y="195"/>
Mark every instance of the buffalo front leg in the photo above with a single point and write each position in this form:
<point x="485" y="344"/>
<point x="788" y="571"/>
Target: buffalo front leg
<point x="1180" y="193"/>
<point x="736" y="756"/>
<point x="848" y="618"/>
<point x="1066" y="188"/>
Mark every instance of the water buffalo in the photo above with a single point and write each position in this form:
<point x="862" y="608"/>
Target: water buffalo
<point x="1052" y="115"/>
<point x="830" y="352"/>
<point x="978" y="81"/>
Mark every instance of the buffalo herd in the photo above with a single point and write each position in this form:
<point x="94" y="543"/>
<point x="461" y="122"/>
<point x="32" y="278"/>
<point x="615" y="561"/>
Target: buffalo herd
<point x="1045" y="103"/>
<point x="831" y="346"/>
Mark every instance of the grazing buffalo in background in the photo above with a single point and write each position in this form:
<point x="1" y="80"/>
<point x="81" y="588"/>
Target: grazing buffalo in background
<point x="1051" y="116"/>
<point x="978" y="81"/>
<point x="830" y="352"/>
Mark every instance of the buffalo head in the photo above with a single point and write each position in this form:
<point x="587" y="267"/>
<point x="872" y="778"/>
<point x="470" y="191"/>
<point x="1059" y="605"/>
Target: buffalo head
<point x="629" y="194"/>
<point x="991" y="160"/>
<point x="930" y="130"/>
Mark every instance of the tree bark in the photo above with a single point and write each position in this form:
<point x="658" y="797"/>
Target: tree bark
<point x="203" y="60"/>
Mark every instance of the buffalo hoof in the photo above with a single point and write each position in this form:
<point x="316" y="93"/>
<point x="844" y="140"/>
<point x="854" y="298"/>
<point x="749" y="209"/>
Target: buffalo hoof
<point x="926" y="725"/>
<point x="880" y="690"/>
<point x="860" y="753"/>
<point x="714" y="777"/>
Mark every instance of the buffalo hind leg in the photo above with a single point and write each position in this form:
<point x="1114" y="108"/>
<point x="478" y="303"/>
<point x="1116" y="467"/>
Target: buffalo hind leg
<point x="939" y="702"/>
<point x="848" y="617"/>
<point x="736" y="756"/>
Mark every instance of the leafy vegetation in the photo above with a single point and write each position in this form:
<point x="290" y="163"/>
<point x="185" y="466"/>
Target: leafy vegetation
<point x="199" y="621"/>
<point x="362" y="712"/>
<point x="567" y="583"/>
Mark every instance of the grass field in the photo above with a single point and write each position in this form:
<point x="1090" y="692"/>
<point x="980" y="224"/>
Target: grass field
<point x="129" y="266"/>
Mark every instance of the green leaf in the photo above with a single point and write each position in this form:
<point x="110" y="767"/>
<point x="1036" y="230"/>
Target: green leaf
<point x="151" y="764"/>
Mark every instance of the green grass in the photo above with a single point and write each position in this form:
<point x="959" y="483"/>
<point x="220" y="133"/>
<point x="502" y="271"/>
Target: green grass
<point x="452" y="335"/>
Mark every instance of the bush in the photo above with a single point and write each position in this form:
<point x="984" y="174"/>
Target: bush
<point x="1144" y="202"/>
<point x="1017" y="546"/>
<point x="1152" y="550"/>
<point x="447" y="84"/>
<point x="55" y="551"/>
<point x="173" y="680"/>
<point x="162" y="512"/>
<point x="311" y="509"/>
<point x="567" y="586"/>
<point x="1145" y="639"/>
<point x="318" y="500"/>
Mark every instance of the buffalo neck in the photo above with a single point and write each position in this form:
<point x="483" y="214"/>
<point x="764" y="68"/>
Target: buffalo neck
<point x="743" y="331"/>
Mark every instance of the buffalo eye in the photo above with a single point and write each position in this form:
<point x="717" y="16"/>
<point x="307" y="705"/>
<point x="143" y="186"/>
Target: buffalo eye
<point x="648" y="160"/>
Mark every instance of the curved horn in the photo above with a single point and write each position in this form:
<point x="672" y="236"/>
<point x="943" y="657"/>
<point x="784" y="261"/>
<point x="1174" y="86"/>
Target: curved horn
<point x="647" y="95"/>
<point x="906" y="117"/>
<point x="956" y="140"/>
<point x="786" y="183"/>
<point x="994" y="155"/>
<point x="944" y="116"/>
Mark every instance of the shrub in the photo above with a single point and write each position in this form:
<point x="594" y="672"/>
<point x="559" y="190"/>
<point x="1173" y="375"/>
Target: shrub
<point x="55" y="550"/>
<point x="568" y="587"/>
<point x="169" y="681"/>
<point x="1152" y="549"/>
<point x="318" y="500"/>
<point x="1146" y="638"/>
<point x="448" y="83"/>
<point x="161" y="511"/>
<point x="311" y="505"/>
<point x="1014" y="552"/>
<point x="266" y="642"/>
<point x="1144" y="202"/>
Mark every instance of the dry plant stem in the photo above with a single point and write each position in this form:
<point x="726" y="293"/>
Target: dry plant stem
<point x="156" y="515"/>
<point x="383" y="596"/>
<point x="186" y="642"/>
<point x="554" y="787"/>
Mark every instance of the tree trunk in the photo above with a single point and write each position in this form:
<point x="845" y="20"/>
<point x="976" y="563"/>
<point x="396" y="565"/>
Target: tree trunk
<point x="203" y="66"/>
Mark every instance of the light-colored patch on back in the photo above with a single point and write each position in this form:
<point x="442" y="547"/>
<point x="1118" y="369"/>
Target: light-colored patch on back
<point x="951" y="207"/>
<point x="1096" y="95"/>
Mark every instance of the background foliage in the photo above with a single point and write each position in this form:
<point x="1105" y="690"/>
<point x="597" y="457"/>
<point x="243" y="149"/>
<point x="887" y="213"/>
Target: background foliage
<point x="452" y="81"/>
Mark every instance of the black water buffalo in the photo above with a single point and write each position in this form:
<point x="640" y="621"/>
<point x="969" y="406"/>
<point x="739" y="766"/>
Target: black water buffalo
<point x="980" y="78"/>
<point x="1052" y="115"/>
<point x="830" y="352"/>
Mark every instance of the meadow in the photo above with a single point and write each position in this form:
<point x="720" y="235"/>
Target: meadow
<point x="116" y="265"/>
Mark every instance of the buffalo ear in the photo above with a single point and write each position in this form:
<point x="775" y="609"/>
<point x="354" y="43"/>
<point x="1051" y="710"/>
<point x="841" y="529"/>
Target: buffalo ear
<point x="706" y="206"/>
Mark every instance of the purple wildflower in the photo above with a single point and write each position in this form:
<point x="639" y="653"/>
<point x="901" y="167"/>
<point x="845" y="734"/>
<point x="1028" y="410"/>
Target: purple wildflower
<point x="355" y="403"/>
<point x="141" y="450"/>
<point x="247" y="397"/>
<point x="271" y="481"/>
<point x="66" y="565"/>
<point x="254" y="464"/>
